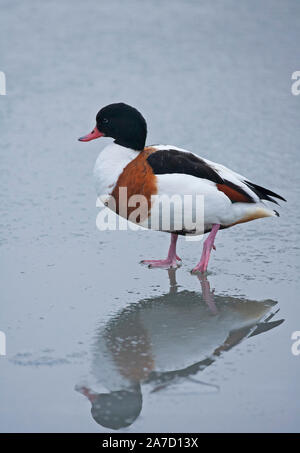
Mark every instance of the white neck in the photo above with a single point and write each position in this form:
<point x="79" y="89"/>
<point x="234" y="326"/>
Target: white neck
<point x="109" y="165"/>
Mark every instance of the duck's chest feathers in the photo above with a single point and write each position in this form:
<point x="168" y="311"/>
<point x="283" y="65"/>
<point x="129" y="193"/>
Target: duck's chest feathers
<point x="109" y="165"/>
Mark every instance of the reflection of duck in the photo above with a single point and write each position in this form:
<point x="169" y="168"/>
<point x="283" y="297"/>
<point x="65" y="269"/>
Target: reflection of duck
<point x="163" y="339"/>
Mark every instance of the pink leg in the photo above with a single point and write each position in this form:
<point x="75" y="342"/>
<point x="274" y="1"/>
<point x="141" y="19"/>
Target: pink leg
<point x="207" y="294"/>
<point x="207" y="247"/>
<point x="170" y="261"/>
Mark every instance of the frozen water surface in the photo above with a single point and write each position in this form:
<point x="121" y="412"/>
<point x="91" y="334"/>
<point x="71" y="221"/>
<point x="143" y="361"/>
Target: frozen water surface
<point x="86" y="325"/>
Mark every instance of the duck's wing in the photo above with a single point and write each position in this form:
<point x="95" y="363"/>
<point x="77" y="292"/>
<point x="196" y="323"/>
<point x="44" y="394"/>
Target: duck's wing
<point x="169" y="159"/>
<point x="232" y="177"/>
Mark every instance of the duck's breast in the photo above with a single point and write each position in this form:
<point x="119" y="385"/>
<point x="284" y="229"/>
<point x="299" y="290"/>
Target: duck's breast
<point x="109" y="165"/>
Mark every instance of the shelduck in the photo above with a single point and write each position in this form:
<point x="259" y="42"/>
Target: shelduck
<point x="163" y="170"/>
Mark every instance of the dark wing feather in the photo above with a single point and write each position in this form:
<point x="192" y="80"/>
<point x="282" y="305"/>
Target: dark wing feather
<point x="174" y="161"/>
<point x="262" y="193"/>
<point x="169" y="161"/>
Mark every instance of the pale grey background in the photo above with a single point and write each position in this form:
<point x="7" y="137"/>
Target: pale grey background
<point x="210" y="76"/>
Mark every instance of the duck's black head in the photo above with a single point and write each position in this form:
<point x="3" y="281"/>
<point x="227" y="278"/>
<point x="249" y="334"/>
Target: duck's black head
<point x="123" y="123"/>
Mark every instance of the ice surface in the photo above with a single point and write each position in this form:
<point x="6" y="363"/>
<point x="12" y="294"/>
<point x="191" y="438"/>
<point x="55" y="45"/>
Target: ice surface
<point x="213" y="77"/>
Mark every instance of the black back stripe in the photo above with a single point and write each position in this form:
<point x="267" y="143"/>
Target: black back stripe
<point x="168" y="161"/>
<point x="173" y="161"/>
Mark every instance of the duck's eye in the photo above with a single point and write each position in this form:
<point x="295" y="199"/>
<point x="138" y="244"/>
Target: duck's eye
<point x="104" y="120"/>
